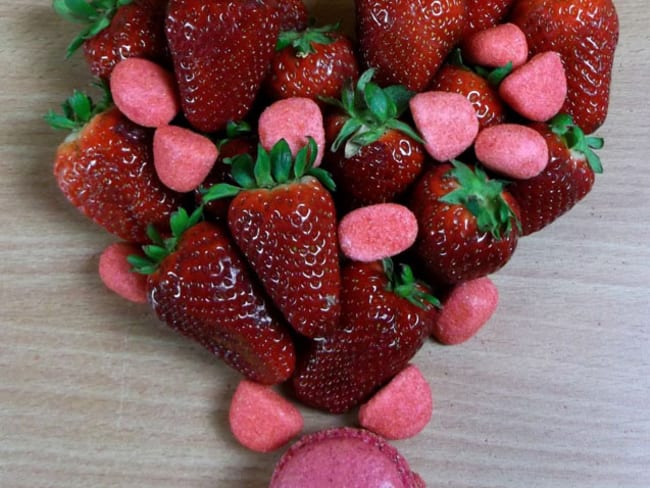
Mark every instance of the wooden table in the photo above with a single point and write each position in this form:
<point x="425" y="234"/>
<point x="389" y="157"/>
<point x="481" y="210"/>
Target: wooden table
<point x="94" y="392"/>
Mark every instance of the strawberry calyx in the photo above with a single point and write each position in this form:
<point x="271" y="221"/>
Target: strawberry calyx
<point x="96" y="15"/>
<point x="371" y="111"/>
<point x="78" y="110"/>
<point x="235" y="130"/>
<point x="271" y="168"/>
<point x="576" y="140"/>
<point x="303" y="41"/>
<point x="155" y="253"/>
<point x="405" y="285"/>
<point x="483" y="198"/>
<point x="494" y="77"/>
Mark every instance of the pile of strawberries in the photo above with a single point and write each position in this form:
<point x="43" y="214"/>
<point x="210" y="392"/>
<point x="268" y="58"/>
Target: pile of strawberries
<point x="231" y="207"/>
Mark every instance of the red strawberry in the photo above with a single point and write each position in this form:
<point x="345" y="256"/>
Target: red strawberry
<point x="221" y="51"/>
<point x="480" y="90"/>
<point x="384" y="321"/>
<point x="115" y="30"/>
<point x="483" y="14"/>
<point x="284" y="222"/>
<point x="293" y="14"/>
<point x="375" y="156"/>
<point x="466" y="223"/>
<point x="407" y="41"/>
<point x="585" y="34"/>
<point x="105" y="169"/>
<point x="238" y="140"/>
<point x="312" y="63"/>
<point x="567" y="179"/>
<point x="199" y="286"/>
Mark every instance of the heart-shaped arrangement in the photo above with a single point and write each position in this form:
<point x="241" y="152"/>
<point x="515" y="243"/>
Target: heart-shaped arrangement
<point x="275" y="182"/>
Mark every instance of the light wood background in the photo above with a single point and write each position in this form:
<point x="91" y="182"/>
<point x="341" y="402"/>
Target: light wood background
<point x="94" y="392"/>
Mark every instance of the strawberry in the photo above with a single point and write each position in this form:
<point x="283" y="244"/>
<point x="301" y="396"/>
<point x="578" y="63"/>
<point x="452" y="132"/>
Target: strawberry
<point x="385" y="318"/>
<point x="585" y="34"/>
<point x="221" y="52"/>
<point x="467" y="223"/>
<point x="407" y="41"/>
<point x="199" y="286"/>
<point x="115" y="30"/>
<point x="567" y="179"/>
<point x="284" y="222"/>
<point x="105" y="168"/>
<point x="312" y="63"/>
<point x="477" y="86"/>
<point x="375" y="156"/>
<point x="293" y="14"/>
<point x="483" y="14"/>
<point x="238" y="140"/>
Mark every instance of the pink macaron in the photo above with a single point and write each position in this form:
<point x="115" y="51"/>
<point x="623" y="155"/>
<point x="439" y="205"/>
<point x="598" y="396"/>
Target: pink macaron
<point x="343" y="457"/>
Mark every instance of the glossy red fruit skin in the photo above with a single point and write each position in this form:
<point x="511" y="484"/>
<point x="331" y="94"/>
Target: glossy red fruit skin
<point x="485" y="99"/>
<point x="585" y="33"/>
<point x="483" y="14"/>
<point x="380" y="172"/>
<point x="221" y="51"/>
<point x="293" y="14"/>
<point x="567" y="179"/>
<point x="450" y="246"/>
<point x="136" y="30"/>
<point x="288" y="235"/>
<point x="320" y="74"/>
<point x="204" y="291"/>
<point x="407" y="41"/>
<point x="107" y="172"/>
<point x="378" y="335"/>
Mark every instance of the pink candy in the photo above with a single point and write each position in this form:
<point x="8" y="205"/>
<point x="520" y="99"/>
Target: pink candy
<point x="537" y="89"/>
<point x="343" y="458"/>
<point x="447" y="122"/>
<point x="144" y="92"/>
<point x="513" y="150"/>
<point x="182" y="158"/>
<point x="467" y="308"/>
<point x="115" y="272"/>
<point x="377" y="231"/>
<point x="293" y="119"/>
<point x="401" y="409"/>
<point x="497" y="46"/>
<point x="262" y="420"/>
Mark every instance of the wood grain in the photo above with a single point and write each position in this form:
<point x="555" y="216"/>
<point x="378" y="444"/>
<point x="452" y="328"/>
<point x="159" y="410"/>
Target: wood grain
<point x="554" y="392"/>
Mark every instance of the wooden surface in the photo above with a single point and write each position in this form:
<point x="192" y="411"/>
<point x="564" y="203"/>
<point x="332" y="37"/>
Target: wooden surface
<point x="94" y="392"/>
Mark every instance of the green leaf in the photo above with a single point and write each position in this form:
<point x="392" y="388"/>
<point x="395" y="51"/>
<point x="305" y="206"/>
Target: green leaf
<point x="561" y="123"/>
<point x="219" y="191"/>
<point x="301" y="163"/>
<point x="262" y="169"/>
<point x="350" y="127"/>
<point x="405" y="129"/>
<point x="81" y="9"/>
<point x="496" y="76"/>
<point x="281" y="160"/>
<point x="57" y="121"/>
<point x="178" y="222"/>
<point x="595" y="142"/>
<point x="400" y="96"/>
<point x="377" y="101"/>
<point x="242" y="170"/>
<point x="594" y="161"/>
<point x="324" y="177"/>
<point x="154" y="235"/>
<point x="156" y="253"/>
